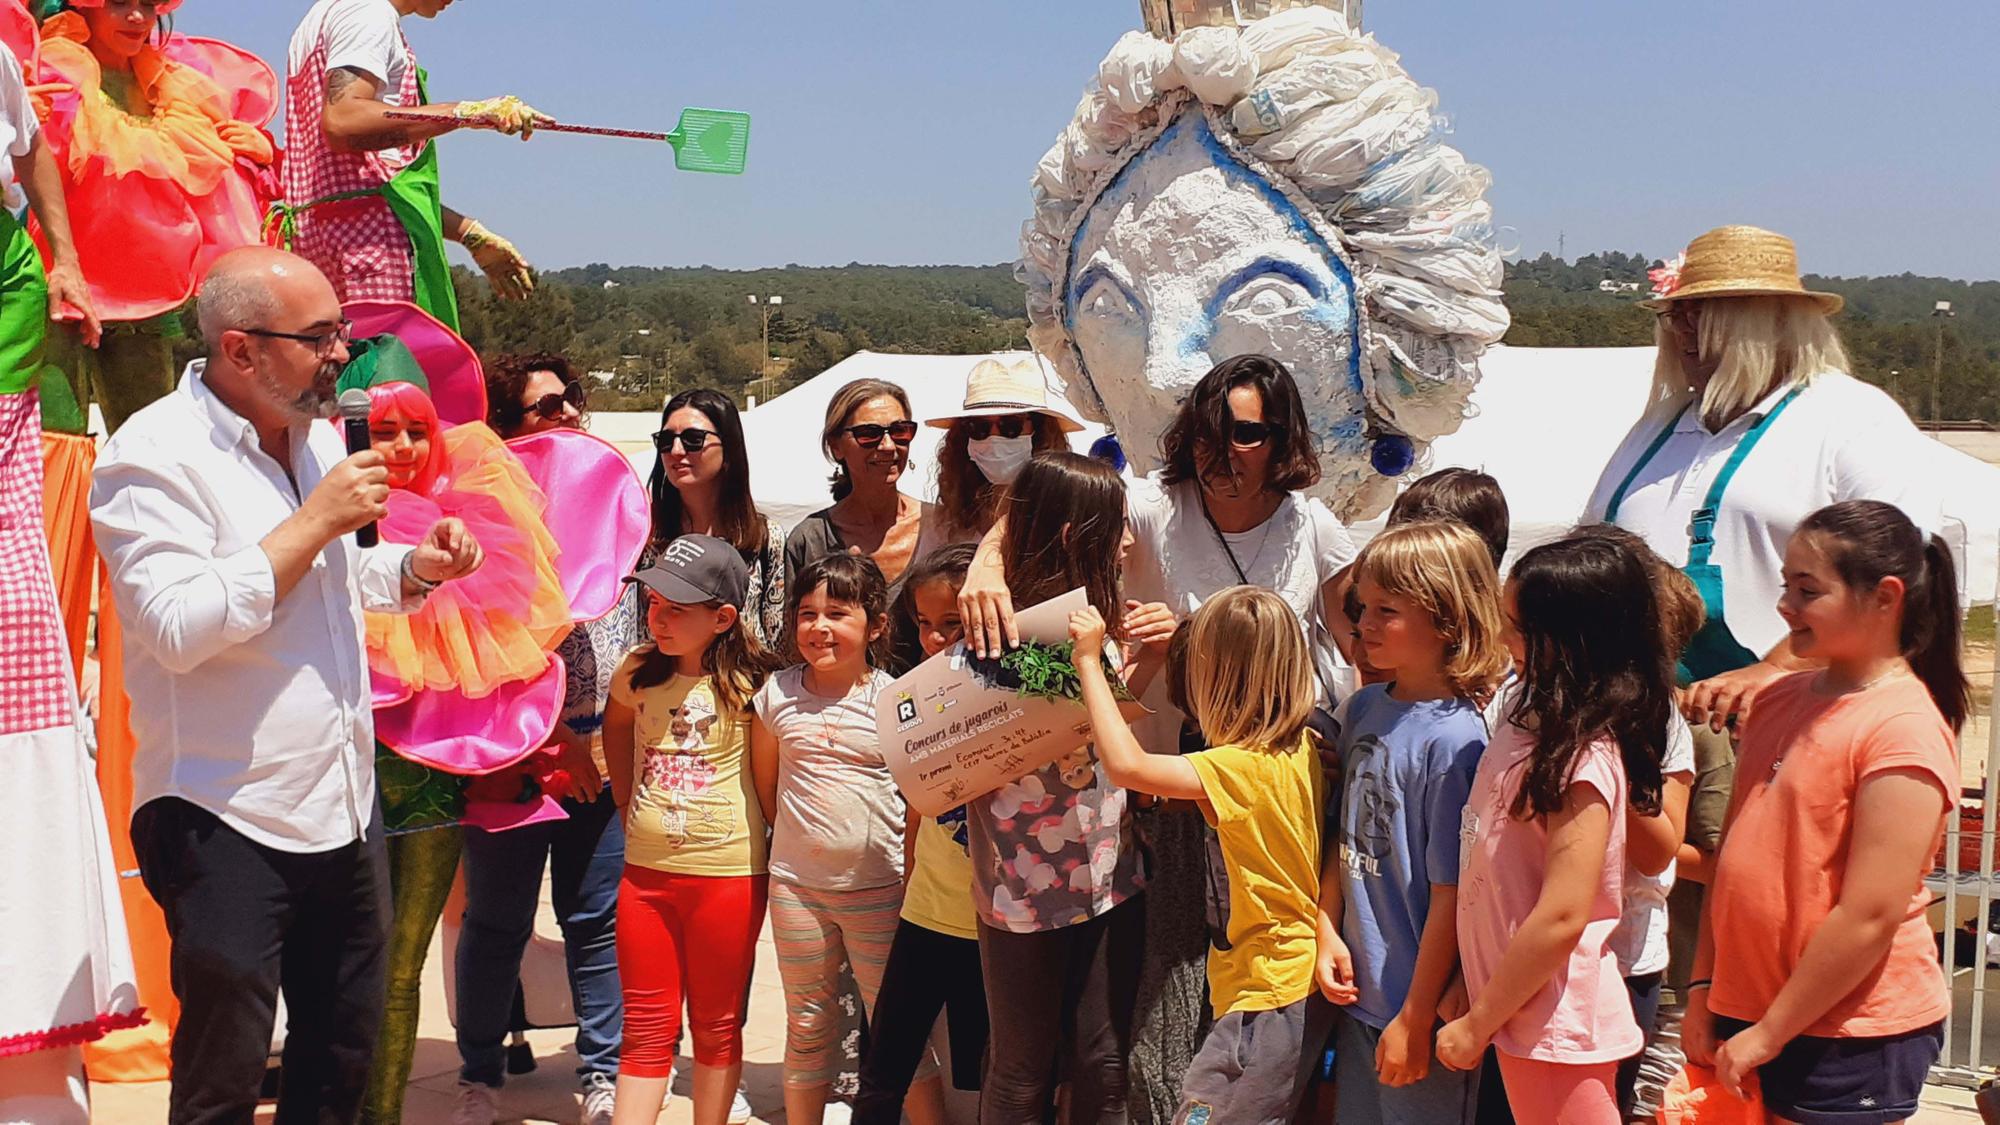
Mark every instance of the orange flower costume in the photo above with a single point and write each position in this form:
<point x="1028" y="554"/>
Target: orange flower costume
<point x="497" y="625"/>
<point x="153" y="200"/>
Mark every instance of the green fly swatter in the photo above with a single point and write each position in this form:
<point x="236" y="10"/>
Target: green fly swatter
<point x="705" y="140"/>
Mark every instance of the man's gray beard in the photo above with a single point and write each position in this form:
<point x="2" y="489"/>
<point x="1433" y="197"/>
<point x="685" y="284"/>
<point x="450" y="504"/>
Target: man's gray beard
<point x="312" y="404"/>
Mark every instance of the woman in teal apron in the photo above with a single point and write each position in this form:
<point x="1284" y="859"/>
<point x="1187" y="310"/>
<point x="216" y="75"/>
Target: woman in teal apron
<point x="1749" y="350"/>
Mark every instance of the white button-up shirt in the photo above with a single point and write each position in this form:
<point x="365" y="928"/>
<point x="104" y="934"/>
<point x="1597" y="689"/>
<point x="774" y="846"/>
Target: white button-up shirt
<point x="252" y="707"/>
<point x="1841" y="439"/>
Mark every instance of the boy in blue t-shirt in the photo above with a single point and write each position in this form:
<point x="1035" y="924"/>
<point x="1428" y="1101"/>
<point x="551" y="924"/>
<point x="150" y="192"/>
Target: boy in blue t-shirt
<point x="1388" y="897"/>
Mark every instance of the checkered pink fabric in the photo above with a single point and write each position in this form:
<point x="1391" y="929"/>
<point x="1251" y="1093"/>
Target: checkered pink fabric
<point x="34" y="692"/>
<point x="357" y="243"/>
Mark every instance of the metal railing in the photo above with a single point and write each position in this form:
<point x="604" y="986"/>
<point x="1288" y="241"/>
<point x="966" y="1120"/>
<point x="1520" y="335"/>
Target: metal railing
<point x="1970" y="1045"/>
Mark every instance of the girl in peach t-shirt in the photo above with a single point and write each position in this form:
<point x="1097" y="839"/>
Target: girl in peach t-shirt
<point x="1816" y="967"/>
<point x="1543" y="835"/>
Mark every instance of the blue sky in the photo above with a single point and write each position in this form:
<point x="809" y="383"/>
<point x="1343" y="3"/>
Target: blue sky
<point x="903" y="131"/>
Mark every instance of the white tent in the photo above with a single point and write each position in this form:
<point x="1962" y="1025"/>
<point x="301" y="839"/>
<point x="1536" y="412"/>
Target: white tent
<point x="1544" y="422"/>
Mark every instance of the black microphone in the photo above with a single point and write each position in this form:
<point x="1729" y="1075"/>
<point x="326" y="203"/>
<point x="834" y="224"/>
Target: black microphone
<point x="354" y="421"/>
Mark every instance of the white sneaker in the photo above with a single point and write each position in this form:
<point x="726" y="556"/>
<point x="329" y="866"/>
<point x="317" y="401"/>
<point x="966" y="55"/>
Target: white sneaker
<point x="599" y="1095"/>
<point x="838" y="1113"/>
<point x="478" y="1104"/>
<point x="739" y="1109"/>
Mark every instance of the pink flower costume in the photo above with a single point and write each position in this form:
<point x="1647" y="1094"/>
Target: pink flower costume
<point x="470" y="683"/>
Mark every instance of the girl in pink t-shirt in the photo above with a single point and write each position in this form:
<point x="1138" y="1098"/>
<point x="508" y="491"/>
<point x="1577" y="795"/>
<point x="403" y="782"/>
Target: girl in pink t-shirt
<point x="1816" y="967"/>
<point x="1543" y="836"/>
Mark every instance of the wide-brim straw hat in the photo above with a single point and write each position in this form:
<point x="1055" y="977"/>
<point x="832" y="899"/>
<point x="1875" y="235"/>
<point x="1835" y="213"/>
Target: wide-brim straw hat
<point x="998" y="388"/>
<point x="1737" y="261"/>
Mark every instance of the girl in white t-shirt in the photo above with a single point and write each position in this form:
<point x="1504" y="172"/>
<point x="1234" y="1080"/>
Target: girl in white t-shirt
<point x="837" y="839"/>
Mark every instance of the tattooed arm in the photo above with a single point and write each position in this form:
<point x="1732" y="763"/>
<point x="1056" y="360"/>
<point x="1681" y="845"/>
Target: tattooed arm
<point x="356" y="119"/>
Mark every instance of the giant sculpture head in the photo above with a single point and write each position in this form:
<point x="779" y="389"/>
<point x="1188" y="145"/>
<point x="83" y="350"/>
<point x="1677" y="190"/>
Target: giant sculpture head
<point x="1277" y="187"/>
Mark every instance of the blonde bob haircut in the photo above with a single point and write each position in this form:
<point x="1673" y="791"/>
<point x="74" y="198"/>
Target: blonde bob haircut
<point x="1249" y="676"/>
<point x="1758" y="343"/>
<point x="1447" y="569"/>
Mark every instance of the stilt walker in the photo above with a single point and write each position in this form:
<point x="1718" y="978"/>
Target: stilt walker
<point x="65" y="965"/>
<point x="362" y="202"/>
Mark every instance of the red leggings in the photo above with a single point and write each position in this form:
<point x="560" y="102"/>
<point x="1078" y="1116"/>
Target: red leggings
<point x="663" y="917"/>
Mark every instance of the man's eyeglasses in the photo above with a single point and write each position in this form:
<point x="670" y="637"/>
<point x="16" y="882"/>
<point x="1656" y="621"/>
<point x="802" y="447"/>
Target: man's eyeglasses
<point x="692" y="439"/>
<point x="871" y="434"/>
<point x="1006" y="425"/>
<point x="1249" y="435"/>
<point x="322" y="342"/>
<point x="548" y="406"/>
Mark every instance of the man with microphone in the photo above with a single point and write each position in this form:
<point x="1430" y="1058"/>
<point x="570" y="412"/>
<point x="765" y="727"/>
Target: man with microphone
<point x="227" y="514"/>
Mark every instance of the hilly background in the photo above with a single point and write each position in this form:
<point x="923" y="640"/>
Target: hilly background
<point x="657" y="331"/>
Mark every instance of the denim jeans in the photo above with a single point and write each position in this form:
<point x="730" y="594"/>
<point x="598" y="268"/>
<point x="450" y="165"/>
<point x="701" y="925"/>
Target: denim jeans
<point x="503" y="881"/>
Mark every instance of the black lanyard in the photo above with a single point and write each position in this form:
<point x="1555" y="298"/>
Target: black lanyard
<point x="1223" y="539"/>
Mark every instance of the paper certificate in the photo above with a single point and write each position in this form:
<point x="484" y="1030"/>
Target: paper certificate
<point x="956" y="728"/>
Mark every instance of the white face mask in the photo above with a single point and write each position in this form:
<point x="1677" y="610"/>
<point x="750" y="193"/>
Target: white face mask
<point x="1001" y="458"/>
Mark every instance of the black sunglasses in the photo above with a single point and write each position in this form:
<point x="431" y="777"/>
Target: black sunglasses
<point x="871" y="434"/>
<point x="548" y="406"/>
<point x="322" y="342"/>
<point x="1249" y="435"/>
<point x="693" y="440"/>
<point x="1006" y="425"/>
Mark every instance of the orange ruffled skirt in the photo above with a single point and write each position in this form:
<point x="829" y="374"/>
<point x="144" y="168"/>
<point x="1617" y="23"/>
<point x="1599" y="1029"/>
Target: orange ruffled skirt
<point x="498" y="624"/>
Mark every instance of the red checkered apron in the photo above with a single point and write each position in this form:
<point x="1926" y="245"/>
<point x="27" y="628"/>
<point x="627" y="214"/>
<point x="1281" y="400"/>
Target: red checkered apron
<point x="358" y="243"/>
<point x="34" y="692"/>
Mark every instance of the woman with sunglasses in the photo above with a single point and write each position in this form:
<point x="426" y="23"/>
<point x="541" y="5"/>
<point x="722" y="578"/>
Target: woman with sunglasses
<point x="1005" y="421"/>
<point x="585" y="850"/>
<point x="867" y="437"/>
<point x="1225" y="510"/>
<point x="526" y="394"/>
<point x="701" y="486"/>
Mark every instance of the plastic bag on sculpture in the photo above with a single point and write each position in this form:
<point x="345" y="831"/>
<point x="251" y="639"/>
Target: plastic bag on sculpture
<point x="1454" y="250"/>
<point x="1138" y="69"/>
<point x="1336" y="145"/>
<point x="1215" y="64"/>
<point x="1421" y="383"/>
<point x="1420" y="305"/>
<point x="1411" y="186"/>
<point x="1279" y="99"/>
<point x="1275" y="41"/>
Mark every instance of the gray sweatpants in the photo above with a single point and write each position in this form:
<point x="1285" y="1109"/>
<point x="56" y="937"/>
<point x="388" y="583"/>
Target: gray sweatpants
<point x="1247" y="1071"/>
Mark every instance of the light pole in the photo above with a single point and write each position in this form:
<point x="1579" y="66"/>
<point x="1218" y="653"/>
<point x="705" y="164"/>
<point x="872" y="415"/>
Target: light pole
<point x="766" y="305"/>
<point x="1940" y="312"/>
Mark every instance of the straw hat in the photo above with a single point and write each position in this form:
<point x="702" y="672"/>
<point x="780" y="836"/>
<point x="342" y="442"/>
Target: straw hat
<point x="996" y="388"/>
<point x="1735" y="262"/>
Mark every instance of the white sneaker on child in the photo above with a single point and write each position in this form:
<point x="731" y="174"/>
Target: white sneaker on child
<point x="599" y="1096"/>
<point x="739" y="1109"/>
<point x="477" y="1104"/>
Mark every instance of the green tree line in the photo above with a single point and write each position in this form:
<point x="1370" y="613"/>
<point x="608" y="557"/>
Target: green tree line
<point x="650" y="332"/>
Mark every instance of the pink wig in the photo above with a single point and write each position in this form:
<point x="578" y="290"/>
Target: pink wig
<point x="415" y="405"/>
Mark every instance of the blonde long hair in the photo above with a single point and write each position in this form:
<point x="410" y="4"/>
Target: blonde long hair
<point x="1447" y="569"/>
<point x="1760" y="343"/>
<point x="1249" y="676"/>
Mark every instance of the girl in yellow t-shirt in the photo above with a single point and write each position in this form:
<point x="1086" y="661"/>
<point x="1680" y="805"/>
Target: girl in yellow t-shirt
<point x="1249" y="682"/>
<point x="934" y="959"/>
<point x="696" y="800"/>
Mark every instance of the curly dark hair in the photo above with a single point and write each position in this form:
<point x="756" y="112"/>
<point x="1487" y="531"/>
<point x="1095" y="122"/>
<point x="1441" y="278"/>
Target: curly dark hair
<point x="507" y="379"/>
<point x="1197" y="444"/>
<point x="966" y="499"/>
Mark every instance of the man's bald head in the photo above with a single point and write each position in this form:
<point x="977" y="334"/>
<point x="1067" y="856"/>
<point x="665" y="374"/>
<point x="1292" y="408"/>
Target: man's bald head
<point x="252" y="287"/>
